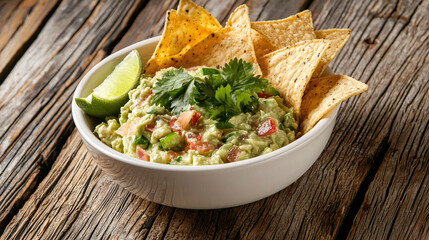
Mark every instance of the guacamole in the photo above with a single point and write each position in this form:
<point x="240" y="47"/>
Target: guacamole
<point x="151" y="132"/>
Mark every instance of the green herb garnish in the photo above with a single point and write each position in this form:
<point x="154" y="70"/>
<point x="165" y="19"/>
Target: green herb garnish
<point x="175" y="91"/>
<point x="224" y="93"/>
<point x="142" y="141"/>
<point x="176" y="160"/>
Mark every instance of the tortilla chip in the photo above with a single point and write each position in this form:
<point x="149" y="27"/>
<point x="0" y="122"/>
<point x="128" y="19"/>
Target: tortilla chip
<point x="289" y="69"/>
<point x="182" y="30"/>
<point x="323" y="94"/>
<point x="231" y="42"/>
<point x="239" y="18"/>
<point x="338" y="38"/>
<point x="288" y="31"/>
<point x="261" y="44"/>
<point x="198" y="13"/>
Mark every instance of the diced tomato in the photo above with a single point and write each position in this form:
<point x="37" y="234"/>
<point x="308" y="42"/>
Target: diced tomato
<point x="201" y="147"/>
<point x="263" y="95"/>
<point x="173" y="125"/>
<point x="233" y="154"/>
<point x="149" y="127"/>
<point x="185" y="118"/>
<point x="266" y="128"/>
<point x="141" y="154"/>
<point x="128" y="128"/>
<point x="123" y="130"/>
<point x="195" y="118"/>
<point x="148" y="94"/>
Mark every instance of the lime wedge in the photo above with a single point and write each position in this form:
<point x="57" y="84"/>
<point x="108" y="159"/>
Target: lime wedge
<point x="112" y="93"/>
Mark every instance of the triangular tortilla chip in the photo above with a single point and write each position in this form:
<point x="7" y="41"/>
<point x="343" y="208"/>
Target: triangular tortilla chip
<point x="239" y="18"/>
<point x="261" y="44"/>
<point x="289" y="69"/>
<point x="182" y="30"/>
<point x="219" y="48"/>
<point x="323" y="94"/>
<point x="338" y="38"/>
<point x="288" y="31"/>
<point x="191" y="9"/>
<point x="228" y="43"/>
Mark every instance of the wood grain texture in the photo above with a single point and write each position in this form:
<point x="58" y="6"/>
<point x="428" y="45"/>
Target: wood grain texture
<point x="394" y="49"/>
<point x="19" y="23"/>
<point x="396" y="205"/>
<point x="379" y="145"/>
<point x="35" y="104"/>
<point x="13" y="232"/>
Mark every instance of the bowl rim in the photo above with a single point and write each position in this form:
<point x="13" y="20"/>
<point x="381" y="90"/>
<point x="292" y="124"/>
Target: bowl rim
<point x="87" y="135"/>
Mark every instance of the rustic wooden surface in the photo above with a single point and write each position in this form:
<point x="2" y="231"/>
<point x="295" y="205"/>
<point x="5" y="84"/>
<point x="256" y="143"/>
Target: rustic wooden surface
<point x="371" y="182"/>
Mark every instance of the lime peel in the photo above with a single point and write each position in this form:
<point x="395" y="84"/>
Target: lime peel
<point x="112" y="93"/>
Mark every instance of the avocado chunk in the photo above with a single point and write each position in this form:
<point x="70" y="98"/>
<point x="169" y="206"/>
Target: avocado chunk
<point x="172" y="141"/>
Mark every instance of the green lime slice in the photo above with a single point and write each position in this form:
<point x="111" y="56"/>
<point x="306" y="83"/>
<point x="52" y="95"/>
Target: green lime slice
<point x="112" y="93"/>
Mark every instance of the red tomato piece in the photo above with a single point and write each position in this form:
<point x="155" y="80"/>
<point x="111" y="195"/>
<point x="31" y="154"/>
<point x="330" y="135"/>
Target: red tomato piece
<point x="233" y="154"/>
<point x="129" y="127"/>
<point x="263" y="95"/>
<point x="185" y="118"/>
<point x="201" y="147"/>
<point x="195" y="118"/>
<point x="266" y="128"/>
<point x="141" y="154"/>
<point x="149" y="94"/>
<point x="173" y="125"/>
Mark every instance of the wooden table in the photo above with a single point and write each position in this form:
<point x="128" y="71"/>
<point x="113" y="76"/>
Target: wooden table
<point x="371" y="182"/>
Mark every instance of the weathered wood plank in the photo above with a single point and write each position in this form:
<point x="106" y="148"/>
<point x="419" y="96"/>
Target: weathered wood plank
<point x="19" y="23"/>
<point x="35" y="103"/>
<point x="141" y="25"/>
<point x="77" y="200"/>
<point x="396" y="205"/>
<point x="396" y="41"/>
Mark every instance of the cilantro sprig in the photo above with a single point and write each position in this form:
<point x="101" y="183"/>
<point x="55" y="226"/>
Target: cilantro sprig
<point x="224" y="93"/>
<point x="175" y="91"/>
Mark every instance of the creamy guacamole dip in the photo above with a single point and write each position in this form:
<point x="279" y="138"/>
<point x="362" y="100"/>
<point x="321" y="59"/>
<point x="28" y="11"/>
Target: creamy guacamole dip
<point x="151" y="133"/>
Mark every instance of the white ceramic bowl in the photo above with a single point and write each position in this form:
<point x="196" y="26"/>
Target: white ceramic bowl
<point x="197" y="187"/>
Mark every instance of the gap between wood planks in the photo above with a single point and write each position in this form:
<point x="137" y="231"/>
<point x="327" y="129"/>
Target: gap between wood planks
<point x="46" y="164"/>
<point x="356" y="203"/>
